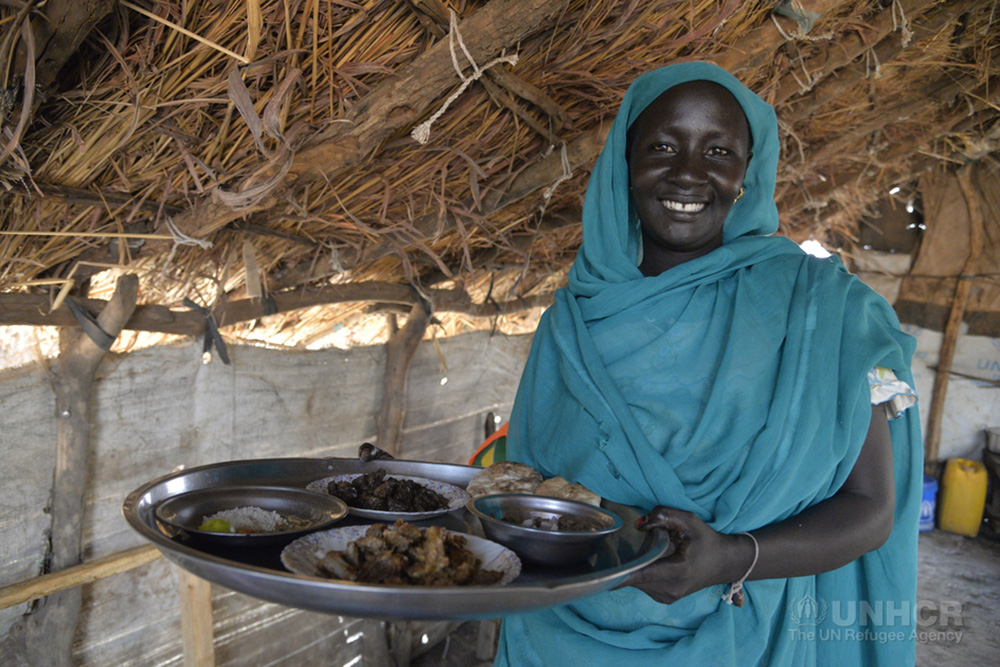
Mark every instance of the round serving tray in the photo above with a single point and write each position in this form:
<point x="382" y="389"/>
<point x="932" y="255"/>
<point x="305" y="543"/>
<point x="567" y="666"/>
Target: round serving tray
<point x="259" y="572"/>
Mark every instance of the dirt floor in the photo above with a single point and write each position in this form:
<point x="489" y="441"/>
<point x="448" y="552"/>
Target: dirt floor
<point x="960" y="585"/>
<point x="958" y="602"/>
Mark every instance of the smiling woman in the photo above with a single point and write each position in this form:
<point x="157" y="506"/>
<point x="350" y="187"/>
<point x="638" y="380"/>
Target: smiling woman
<point x="688" y="154"/>
<point x="717" y="377"/>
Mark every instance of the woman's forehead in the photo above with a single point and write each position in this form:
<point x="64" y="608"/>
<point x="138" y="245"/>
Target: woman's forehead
<point x="708" y="97"/>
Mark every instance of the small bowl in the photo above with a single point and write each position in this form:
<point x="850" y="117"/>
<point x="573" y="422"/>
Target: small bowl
<point x="306" y="511"/>
<point x="540" y="545"/>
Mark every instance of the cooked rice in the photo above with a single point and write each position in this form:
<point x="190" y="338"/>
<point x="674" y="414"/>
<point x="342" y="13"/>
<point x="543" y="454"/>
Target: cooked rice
<point x="251" y="520"/>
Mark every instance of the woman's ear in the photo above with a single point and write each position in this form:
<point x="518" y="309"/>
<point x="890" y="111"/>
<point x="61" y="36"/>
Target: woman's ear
<point x="749" y="157"/>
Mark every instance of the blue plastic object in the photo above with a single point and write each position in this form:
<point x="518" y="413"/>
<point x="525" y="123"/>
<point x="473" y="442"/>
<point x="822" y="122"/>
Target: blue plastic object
<point x="928" y="504"/>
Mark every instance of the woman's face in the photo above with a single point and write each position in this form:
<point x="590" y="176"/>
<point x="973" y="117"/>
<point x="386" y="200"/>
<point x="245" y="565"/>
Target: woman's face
<point x="688" y="154"/>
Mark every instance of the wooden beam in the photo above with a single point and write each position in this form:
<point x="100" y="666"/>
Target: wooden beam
<point x="67" y="23"/>
<point x="932" y="437"/>
<point x="32" y="309"/>
<point x="498" y="81"/>
<point x="399" y="353"/>
<point x="77" y="575"/>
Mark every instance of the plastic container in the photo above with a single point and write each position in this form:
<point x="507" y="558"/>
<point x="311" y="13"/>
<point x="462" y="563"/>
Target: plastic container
<point x="963" y="497"/>
<point x="928" y="504"/>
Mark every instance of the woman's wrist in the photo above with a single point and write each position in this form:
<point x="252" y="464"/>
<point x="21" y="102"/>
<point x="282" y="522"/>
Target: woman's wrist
<point x="742" y="553"/>
<point x="735" y="595"/>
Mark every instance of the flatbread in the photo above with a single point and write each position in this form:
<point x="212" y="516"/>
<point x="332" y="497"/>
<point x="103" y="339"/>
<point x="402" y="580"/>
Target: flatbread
<point x="557" y="487"/>
<point x="504" y="477"/>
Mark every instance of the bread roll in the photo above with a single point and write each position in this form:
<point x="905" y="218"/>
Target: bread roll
<point x="557" y="487"/>
<point x="504" y="477"/>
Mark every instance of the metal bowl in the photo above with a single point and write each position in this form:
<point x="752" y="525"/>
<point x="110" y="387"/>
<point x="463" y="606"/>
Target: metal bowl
<point x="304" y="511"/>
<point x="541" y="545"/>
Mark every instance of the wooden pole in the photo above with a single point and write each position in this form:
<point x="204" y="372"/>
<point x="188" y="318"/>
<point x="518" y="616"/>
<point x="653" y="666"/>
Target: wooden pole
<point x="932" y="441"/>
<point x="399" y="353"/>
<point x="196" y="620"/>
<point x="375" y="643"/>
<point x="46" y="636"/>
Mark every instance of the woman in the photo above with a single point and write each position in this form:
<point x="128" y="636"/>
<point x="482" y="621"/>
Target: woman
<point x="719" y="378"/>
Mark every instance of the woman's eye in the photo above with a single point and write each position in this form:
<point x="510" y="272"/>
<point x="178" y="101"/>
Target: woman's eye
<point x="719" y="151"/>
<point x="663" y="148"/>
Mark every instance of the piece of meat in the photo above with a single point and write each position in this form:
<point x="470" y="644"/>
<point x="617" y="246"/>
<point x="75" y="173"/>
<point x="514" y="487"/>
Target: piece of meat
<point x="377" y="491"/>
<point x="406" y="555"/>
<point x="337" y="567"/>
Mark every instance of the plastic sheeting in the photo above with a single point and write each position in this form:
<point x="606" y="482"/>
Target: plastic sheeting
<point x="972" y="403"/>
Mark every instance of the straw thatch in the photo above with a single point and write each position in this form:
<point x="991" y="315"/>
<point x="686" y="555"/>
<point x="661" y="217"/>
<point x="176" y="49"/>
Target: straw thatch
<point x="261" y="150"/>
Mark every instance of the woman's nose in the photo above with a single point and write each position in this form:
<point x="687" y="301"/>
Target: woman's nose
<point x="687" y="170"/>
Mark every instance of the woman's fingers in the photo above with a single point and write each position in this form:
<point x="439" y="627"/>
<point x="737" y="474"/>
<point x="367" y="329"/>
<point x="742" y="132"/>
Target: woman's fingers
<point x="369" y="452"/>
<point x="668" y="518"/>
<point x="681" y="526"/>
<point x="696" y="560"/>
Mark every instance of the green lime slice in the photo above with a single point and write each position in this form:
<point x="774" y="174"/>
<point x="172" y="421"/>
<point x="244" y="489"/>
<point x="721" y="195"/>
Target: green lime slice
<point x="217" y="526"/>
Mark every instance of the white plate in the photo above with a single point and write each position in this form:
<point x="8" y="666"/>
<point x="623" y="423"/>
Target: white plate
<point x="304" y="554"/>
<point x="456" y="496"/>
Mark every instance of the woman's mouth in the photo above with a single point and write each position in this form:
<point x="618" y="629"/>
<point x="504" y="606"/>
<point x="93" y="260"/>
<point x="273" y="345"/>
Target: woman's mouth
<point x="683" y="207"/>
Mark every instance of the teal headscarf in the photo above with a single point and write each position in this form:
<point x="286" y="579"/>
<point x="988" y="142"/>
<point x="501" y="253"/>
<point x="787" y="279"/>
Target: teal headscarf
<point x="733" y="386"/>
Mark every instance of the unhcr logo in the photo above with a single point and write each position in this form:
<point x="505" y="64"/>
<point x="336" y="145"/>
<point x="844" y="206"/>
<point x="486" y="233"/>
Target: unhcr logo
<point x="878" y="621"/>
<point x="807" y="610"/>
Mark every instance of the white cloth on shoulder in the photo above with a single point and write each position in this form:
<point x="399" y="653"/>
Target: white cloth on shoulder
<point x="887" y="388"/>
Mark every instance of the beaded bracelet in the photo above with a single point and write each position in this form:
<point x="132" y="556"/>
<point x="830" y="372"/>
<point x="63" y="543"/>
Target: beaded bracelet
<point x="735" y="595"/>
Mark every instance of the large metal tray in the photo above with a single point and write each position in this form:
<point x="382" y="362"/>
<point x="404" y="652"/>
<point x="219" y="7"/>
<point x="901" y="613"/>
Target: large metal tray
<point x="258" y="572"/>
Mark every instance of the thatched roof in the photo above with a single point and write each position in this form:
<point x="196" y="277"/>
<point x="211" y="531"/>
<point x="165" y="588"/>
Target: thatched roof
<point x="258" y="155"/>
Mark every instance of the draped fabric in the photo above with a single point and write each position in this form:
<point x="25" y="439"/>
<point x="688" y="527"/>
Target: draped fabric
<point x="733" y="386"/>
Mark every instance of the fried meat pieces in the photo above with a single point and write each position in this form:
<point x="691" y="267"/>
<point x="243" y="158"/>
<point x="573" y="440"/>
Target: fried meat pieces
<point x="405" y="554"/>
<point x="375" y="491"/>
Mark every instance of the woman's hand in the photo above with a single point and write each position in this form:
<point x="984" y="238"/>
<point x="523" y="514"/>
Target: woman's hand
<point x="700" y="556"/>
<point x="369" y="452"/>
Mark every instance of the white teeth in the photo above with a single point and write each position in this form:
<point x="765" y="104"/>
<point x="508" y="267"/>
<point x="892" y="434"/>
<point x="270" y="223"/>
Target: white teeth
<point x="682" y="207"/>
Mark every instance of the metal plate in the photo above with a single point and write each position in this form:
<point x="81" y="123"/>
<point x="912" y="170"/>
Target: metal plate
<point x="259" y="572"/>
<point x="305" y="511"/>
<point x="456" y="497"/>
<point x="303" y="556"/>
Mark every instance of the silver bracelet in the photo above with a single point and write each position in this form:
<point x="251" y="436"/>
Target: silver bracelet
<point x="735" y="595"/>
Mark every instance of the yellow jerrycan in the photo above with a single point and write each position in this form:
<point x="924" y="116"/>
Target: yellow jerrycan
<point x="963" y="498"/>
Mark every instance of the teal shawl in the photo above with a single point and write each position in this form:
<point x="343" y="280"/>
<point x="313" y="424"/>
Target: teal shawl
<point x="733" y="386"/>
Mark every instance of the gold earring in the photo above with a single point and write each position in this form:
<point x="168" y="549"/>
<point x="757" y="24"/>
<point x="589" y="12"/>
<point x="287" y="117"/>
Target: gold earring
<point x="740" y="195"/>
